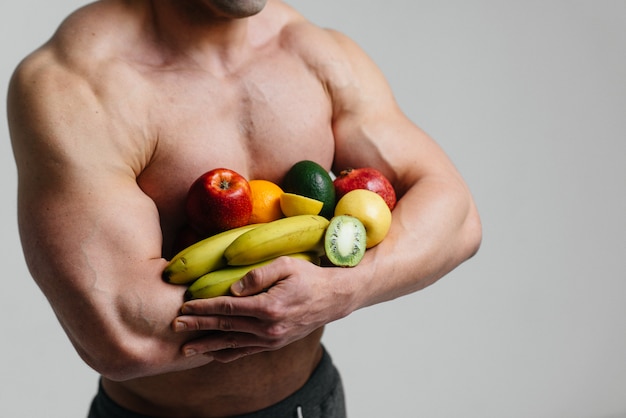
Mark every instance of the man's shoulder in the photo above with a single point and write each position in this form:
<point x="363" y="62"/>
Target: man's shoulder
<point x="71" y="70"/>
<point x="88" y="37"/>
<point x="327" y="52"/>
<point x="80" y="51"/>
<point x="316" y="45"/>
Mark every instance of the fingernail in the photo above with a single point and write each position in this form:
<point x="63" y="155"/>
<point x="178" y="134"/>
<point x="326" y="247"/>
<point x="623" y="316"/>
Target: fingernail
<point x="180" y="326"/>
<point x="190" y="352"/>
<point x="237" y="287"/>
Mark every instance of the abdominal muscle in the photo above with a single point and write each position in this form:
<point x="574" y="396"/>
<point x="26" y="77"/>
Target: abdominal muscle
<point x="222" y="389"/>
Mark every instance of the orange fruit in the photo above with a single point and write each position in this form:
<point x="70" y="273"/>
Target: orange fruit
<point x="265" y="201"/>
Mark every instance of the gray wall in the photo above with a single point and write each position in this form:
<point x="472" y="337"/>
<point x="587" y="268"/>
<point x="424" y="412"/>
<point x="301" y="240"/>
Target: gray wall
<point x="529" y="99"/>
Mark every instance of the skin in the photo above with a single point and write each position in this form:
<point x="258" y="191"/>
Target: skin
<point x="125" y="106"/>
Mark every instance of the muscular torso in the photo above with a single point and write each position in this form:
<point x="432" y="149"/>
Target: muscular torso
<point x="174" y="121"/>
<point x="256" y="122"/>
<point x="256" y="125"/>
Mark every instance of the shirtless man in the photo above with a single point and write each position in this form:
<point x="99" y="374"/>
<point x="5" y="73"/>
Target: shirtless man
<point x="131" y="101"/>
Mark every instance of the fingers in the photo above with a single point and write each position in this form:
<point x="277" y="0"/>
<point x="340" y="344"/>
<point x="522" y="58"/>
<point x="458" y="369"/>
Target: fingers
<point x="224" y="305"/>
<point x="234" y="327"/>
<point x="217" y="323"/>
<point x="232" y="337"/>
<point x="254" y="283"/>
<point x="260" y="279"/>
<point x="269" y="327"/>
<point x="226" y="347"/>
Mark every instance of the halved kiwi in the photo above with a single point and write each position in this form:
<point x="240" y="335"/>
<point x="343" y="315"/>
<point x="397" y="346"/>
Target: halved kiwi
<point x="345" y="241"/>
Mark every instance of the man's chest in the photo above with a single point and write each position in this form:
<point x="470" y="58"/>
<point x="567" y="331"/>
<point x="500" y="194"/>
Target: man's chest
<point x="257" y="125"/>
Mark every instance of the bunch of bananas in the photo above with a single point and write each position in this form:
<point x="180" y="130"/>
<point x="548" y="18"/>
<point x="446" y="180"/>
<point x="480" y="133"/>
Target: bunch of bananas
<point x="212" y="265"/>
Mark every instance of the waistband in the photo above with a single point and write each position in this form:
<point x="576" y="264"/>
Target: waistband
<point x="322" y="383"/>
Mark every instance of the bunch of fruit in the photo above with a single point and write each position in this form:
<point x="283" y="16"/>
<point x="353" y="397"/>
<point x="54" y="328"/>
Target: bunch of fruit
<point x="250" y="223"/>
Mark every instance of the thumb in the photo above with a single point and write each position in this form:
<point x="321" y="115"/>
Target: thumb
<point x="238" y="288"/>
<point x="254" y="282"/>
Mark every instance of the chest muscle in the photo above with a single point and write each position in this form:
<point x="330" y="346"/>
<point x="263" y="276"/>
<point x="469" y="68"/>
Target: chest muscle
<point x="258" y="124"/>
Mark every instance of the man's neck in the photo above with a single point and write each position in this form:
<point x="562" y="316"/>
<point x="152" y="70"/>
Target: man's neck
<point x="214" y="43"/>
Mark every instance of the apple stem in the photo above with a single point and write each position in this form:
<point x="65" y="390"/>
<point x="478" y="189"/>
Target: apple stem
<point x="346" y="171"/>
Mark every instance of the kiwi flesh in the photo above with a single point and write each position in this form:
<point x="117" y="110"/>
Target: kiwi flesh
<point x="344" y="241"/>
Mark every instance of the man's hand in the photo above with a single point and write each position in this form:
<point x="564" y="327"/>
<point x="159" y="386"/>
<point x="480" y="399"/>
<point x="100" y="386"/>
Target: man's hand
<point x="274" y="306"/>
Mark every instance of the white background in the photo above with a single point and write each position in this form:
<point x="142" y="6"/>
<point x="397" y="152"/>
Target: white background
<point x="529" y="100"/>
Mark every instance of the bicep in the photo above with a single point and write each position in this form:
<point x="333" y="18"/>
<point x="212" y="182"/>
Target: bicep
<point x="94" y="250"/>
<point x="91" y="237"/>
<point x="85" y="227"/>
<point x="371" y="130"/>
<point x="75" y="186"/>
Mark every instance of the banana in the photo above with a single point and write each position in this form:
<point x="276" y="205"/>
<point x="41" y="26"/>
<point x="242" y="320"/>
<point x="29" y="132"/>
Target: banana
<point x="284" y="236"/>
<point x="202" y="257"/>
<point x="218" y="282"/>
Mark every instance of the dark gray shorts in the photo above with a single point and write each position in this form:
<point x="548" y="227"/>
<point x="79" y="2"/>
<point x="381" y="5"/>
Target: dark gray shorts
<point x="321" y="397"/>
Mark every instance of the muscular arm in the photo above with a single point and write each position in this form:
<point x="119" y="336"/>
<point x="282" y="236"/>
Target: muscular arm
<point x="435" y="224"/>
<point x="91" y="237"/>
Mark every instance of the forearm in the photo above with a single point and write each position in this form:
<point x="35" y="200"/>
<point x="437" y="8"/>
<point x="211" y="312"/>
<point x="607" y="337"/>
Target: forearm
<point x="99" y="265"/>
<point x="124" y="331"/>
<point x="435" y="228"/>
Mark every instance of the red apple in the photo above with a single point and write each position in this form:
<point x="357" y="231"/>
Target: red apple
<point x="218" y="200"/>
<point x="365" y="178"/>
